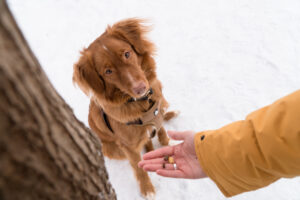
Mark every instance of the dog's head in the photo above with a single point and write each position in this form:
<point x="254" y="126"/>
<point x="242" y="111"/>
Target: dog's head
<point x="120" y="59"/>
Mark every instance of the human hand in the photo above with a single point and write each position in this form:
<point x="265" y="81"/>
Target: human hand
<point x="184" y="155"/>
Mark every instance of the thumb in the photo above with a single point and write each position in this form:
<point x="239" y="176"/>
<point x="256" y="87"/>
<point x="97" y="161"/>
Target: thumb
<point x="178" y="135"/>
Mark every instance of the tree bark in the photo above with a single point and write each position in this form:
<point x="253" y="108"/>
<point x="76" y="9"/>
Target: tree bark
<point x="45" y="152"/>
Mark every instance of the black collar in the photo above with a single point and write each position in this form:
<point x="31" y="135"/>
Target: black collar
<point x="145" y="97"/>
<point x="104" y="116"/>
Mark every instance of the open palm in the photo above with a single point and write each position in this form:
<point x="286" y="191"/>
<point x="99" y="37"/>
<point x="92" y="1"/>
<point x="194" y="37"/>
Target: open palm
<point x="187" y="164"/>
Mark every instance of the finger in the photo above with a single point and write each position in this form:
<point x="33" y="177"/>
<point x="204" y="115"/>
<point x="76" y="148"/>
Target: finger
<point x="152" y="161"/>
<point x="178" y="135"/>
<point x="165" y="151"/>
<point x="170" y="173"/>
<point x="155" y="167"/>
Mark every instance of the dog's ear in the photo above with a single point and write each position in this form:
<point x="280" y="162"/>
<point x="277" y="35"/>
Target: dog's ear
<point x="133" y="31"/>
<point x="86" y="76"/>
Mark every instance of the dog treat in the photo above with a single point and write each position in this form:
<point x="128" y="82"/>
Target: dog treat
<point x="166" y="158"/>
<point x="171" y="160"/>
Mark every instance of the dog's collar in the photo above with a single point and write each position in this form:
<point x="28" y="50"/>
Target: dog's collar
<point x="105" y="118"/>
<point x="143" y="98"/>
<point x="152" y="117"/>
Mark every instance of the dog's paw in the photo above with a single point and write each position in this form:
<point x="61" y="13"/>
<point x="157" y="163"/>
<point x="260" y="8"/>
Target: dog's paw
<point x="147" y="190"/>
<point x="171" y="114"/>
<point x="150" y="196"/>
<point x="177" y="112"/>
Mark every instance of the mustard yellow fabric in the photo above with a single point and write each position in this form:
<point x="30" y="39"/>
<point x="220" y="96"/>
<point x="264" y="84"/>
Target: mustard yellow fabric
<point x="253" y="153"/>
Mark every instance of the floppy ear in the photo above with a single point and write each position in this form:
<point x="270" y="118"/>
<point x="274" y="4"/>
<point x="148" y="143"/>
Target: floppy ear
<point x="86" y="76"/>
<point x="133" y="31"/>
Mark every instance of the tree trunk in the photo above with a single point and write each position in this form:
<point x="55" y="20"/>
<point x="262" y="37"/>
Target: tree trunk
<point x="45" y="152"/>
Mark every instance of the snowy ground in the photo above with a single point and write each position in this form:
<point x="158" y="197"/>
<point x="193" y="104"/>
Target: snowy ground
<point x="218" y="61"/>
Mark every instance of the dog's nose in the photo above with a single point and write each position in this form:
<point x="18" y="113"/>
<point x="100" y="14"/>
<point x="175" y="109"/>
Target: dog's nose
<point x="139" y="88"/>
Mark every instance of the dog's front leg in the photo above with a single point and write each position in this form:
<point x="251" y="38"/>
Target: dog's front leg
<point x="149" y="146"/>
<point x="146" y="186"/>
<point x="162" y="137"/>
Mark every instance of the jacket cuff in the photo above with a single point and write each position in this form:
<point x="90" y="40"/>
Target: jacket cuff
<point x="199" y="140"/>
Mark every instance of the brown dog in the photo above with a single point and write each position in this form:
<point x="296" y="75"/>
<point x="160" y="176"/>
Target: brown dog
<point x="127" y="107"/>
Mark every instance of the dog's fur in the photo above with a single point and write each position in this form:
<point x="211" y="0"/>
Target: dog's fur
<point x="110" y="79"/>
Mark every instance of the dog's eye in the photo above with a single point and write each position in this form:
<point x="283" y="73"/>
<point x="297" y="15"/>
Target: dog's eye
<point x="127" y="54"/>
<point x="108" y="71"/>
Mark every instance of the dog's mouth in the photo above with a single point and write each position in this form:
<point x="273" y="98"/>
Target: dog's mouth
<point x="145" y="93"/>
<point x="144" y="96"/>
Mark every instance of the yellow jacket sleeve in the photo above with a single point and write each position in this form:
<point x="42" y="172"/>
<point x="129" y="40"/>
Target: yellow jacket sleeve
<point x="253" y="153"/>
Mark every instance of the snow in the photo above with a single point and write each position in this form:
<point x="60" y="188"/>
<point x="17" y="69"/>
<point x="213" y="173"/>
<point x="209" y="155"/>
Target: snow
<point x="218" y="61"/>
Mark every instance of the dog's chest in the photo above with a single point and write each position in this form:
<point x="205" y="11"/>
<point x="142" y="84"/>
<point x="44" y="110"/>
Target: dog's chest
<point x="133" y="135"/>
